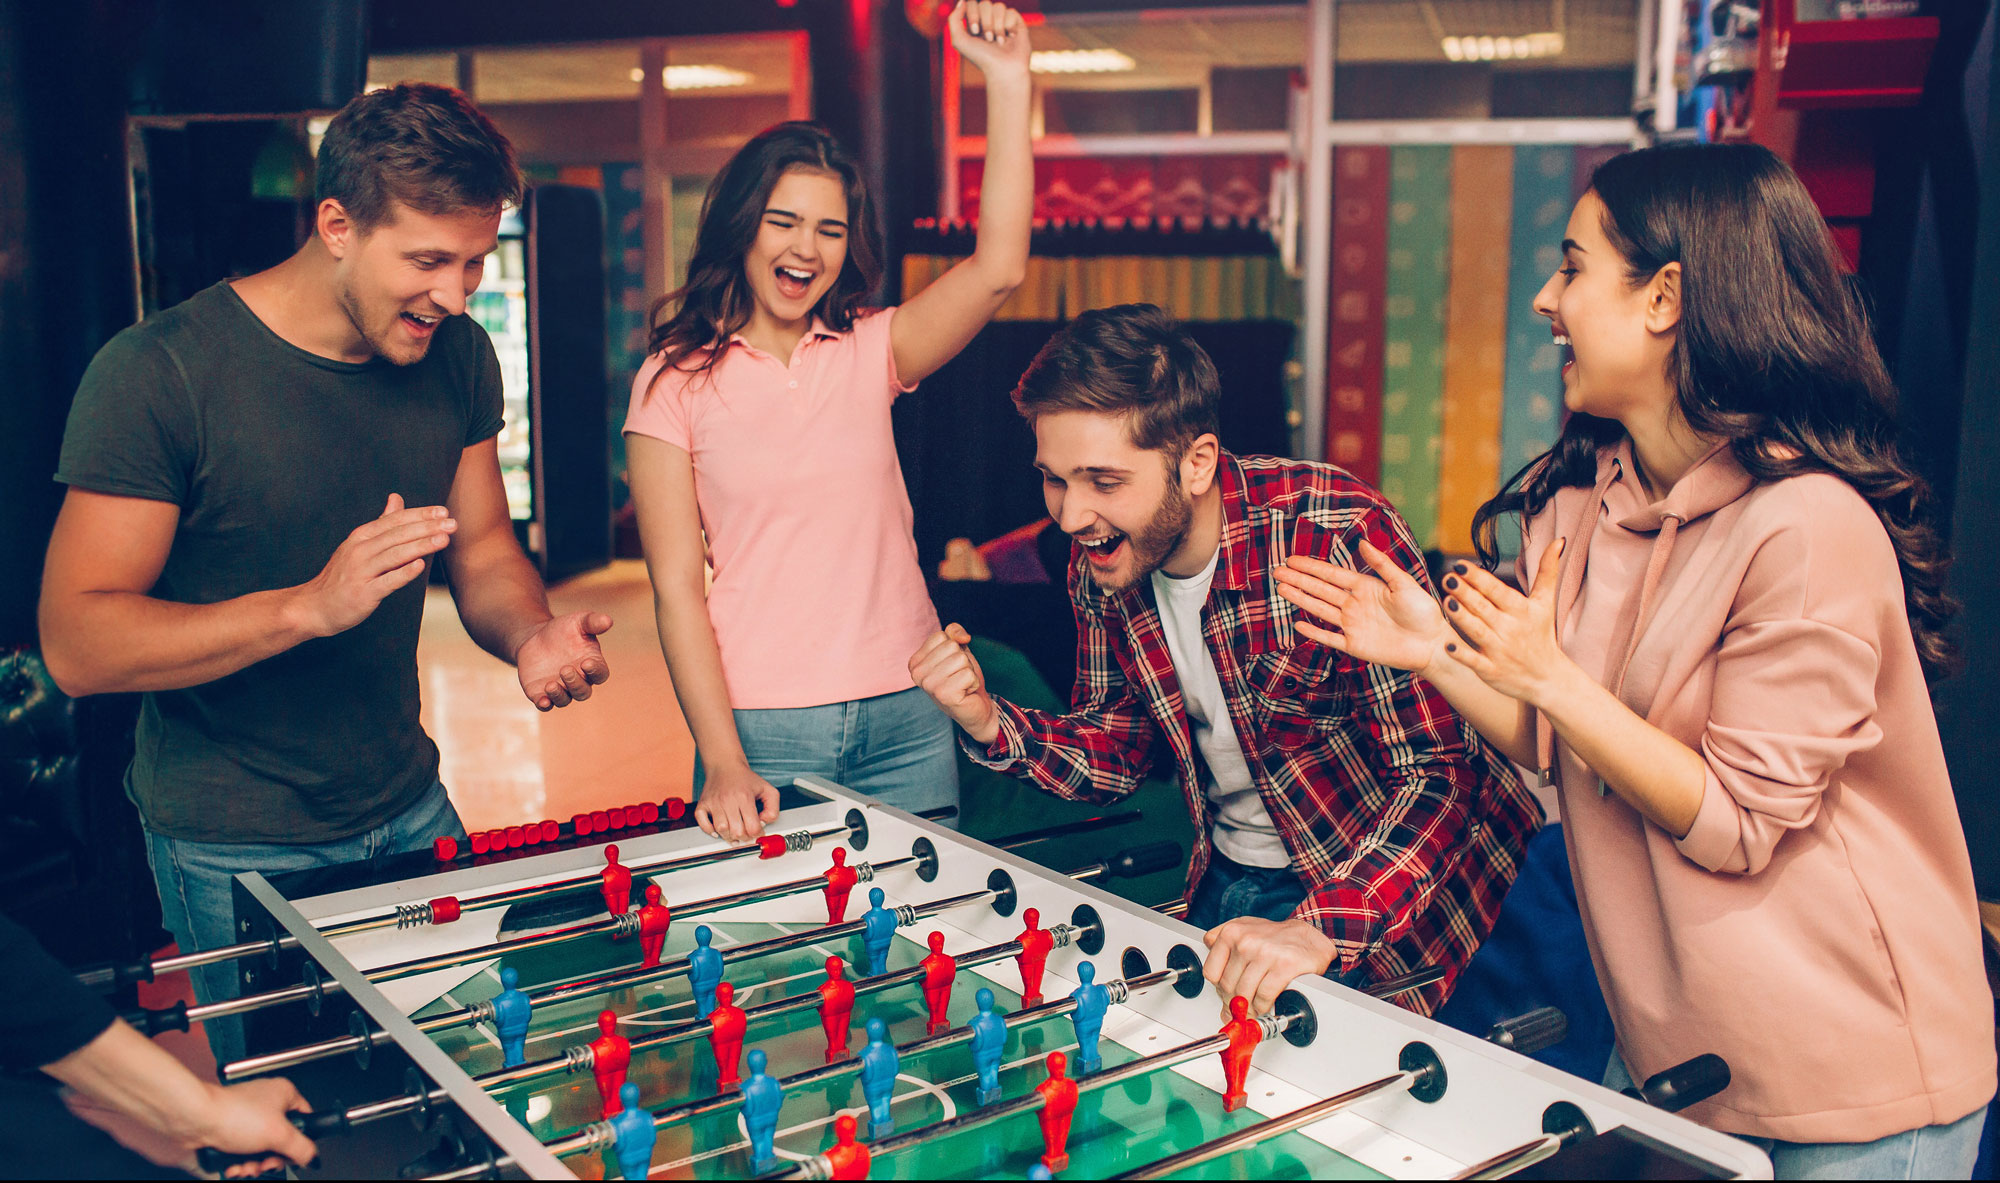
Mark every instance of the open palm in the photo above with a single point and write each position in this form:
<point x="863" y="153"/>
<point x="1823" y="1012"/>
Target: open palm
<point x="1386" y="618"/>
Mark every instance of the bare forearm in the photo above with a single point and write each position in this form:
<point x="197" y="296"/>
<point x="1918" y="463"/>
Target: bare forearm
<point x="118" y="642"/>
<point x="1655" y="773"/>
<point x="1007" y="187"/>
<point x="694" y="663"/>
<point x="123" y="1071"/>
<point x="1506" y="723"/>
<point x="500" y="596"/>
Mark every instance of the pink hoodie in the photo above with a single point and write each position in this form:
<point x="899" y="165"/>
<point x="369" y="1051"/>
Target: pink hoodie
<point x="1817" y="927"/>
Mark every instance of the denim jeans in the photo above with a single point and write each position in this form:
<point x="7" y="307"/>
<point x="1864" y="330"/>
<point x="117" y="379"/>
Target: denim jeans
<point x="1927" y="1152"/>
<point x="1228" y="889"/>
<point x="195" y="901"/>
<point x="897" y="748"/>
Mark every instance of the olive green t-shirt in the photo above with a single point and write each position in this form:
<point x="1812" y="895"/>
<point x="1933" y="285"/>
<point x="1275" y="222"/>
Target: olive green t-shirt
<point x="274" y="455"/>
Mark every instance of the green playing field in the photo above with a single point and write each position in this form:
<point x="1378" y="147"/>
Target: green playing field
<point x="1114" y="1128"/>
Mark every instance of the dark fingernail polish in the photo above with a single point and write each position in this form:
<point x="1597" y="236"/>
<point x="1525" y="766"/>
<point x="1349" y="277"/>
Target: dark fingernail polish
<point x="1451" y="581"/>
<point x="1451" y="646"/>
<point x="1460" y="568"/>
<point x="1451" y="604"/>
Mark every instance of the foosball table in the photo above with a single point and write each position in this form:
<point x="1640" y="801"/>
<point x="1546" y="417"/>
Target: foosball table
<point x="864" y="993"/>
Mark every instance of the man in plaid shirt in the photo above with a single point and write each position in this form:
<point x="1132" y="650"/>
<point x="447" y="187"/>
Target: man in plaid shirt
<point x="1348" y="821"/>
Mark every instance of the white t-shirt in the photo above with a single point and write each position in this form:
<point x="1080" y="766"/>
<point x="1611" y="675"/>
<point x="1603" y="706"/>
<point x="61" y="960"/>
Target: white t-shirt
<point x="1243" y="829"/>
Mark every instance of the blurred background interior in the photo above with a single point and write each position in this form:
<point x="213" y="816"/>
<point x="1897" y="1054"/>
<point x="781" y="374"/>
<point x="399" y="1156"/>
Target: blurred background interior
<point x="1350" y="201"/>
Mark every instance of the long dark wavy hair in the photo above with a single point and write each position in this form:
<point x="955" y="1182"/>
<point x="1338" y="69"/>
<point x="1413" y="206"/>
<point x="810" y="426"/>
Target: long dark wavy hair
<point x="716" y="301"/>
<point x="1774" y="353"/>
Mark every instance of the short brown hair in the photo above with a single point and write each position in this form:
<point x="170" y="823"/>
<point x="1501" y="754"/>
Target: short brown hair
<point x="1134" y="360"/>
<point x="422" y="145"/>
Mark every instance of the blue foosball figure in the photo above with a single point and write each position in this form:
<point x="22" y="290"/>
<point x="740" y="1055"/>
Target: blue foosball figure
<point x="763" y="1096"/>
<point x="989" y="1039"/>
<point x="511" y="1011"/>
<point x="704" y="971"/>
<point x="1092" y="1000"/>
<point x="881" y="930"/>
<point x="879" y="1064"/>
<point x="635" y="1133"/>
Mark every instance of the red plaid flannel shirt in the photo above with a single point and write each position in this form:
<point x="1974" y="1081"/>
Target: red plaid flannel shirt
<point x="1404" y="825"/>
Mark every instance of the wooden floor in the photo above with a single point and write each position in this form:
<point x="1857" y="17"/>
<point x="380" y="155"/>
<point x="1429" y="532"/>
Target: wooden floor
<point x="506" y="764"/>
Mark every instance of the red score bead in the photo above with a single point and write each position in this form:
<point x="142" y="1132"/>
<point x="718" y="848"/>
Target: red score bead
<point x="649" y="813"/>
<point x="481" y="843"/>
<point x="531" y="834"/>
<point x="676" y="809"/>
<point x="600" y="821"/>
<point x="445" y="848"/>
<point x="617" y="816"/>
<point x="580" y="825"/>
<point x="551" y="831"/>
<point x="515" y="837"/>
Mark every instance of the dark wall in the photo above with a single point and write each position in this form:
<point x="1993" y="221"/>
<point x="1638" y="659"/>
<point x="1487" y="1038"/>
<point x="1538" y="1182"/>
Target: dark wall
<point x="66" y="280"/>
<point x="1965" y="703"/>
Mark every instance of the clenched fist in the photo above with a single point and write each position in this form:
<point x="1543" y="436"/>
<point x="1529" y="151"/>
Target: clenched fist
<point x="948" y="672"/>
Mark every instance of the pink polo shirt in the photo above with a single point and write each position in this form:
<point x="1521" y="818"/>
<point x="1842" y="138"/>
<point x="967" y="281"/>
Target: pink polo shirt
<point x="817" y="597"/>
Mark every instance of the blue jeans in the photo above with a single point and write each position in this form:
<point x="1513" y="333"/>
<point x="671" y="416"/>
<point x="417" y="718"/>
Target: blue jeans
<point x="1228" y="889"/>
<point x="197" y="907"/>
<point x="897" y="748"/>
<point x="1927" y="1152"/>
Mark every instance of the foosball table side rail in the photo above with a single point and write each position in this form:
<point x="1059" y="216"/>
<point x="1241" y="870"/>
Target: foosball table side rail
<point x="472" y="1125"/>
<point x="1492" y="1098"/>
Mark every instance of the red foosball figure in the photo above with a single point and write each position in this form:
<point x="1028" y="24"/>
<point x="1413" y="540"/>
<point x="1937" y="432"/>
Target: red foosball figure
<point x="836" y="1004"/>
<point x="1058" y="1104"/>
<point x="654" y="918"/>
<point x="617" y="883"/>
<point x="1244" y="1035"/>
<point x="1034" y="955"/>
<point x="939" y="969"/>
<point x="848" y="1158"/>
<point x="725" y="1035"/>
<point x="610" y="1055"/>
<point x="840" y="879"/>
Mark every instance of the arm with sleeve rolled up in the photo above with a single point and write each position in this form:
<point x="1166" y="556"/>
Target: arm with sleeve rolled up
<point x="1423" y="762"/>
<point x="1099" y="751"/>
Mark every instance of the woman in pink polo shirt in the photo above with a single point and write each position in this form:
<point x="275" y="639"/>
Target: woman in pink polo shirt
<point x="1721" y="662"/>
<point x="762" y="422"/>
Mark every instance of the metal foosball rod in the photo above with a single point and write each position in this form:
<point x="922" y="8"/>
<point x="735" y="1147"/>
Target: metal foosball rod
<point x="1132" y="862"/>
<point x="181" y="1016"/>
<point x="1672" y="1090"/>
<point x="1118" y="991"/>
<point x="601" y="1133"/>
<point x="1423" y="1076"/>
<point x="448" y="908"/>
<point x="579" y="1058"/>
<point x="1269" y="1027"/>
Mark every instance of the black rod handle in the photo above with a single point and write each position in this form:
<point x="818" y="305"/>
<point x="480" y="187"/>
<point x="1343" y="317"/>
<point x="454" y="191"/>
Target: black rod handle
<point x="1087" y="825"/>
<point x="155" y="1022"/>
<point x="1543" y="1027"/>
<point x="1684" y="1084"/>
<point x="1143" y="860"/>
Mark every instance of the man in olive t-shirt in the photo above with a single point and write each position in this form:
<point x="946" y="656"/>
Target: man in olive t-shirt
<point x="258" y="479"/>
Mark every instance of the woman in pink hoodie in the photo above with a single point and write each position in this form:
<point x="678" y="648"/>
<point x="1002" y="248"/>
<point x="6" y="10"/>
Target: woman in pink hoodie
<point x="1721" y="663"/>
